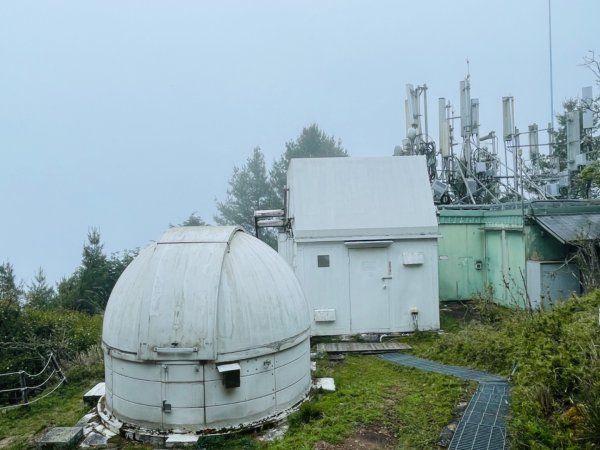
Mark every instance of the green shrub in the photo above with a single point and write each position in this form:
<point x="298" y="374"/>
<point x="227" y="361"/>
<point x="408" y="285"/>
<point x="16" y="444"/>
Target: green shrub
<point x="556" y="385"/>
<point x="37" y="332"/>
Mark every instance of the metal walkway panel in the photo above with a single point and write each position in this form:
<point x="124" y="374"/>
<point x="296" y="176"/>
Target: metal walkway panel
<point x="361" y="347"/>
<point x="483" y="424"/>
<point x="432" y="366"/>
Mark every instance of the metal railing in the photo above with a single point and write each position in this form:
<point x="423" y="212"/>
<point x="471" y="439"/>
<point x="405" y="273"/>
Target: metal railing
<point x="27" y="384"/>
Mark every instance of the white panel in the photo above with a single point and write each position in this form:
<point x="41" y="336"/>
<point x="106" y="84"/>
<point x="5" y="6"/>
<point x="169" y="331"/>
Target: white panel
<point x="412" y="107"/>
<point x="293" y="394"/>
<point x="292" y="354"/>
<point x="184" y="395"/>
<point x="137" y="391"/>
<point x="324" y="315"/>
<point x="563" y="180"/>
<point x="320" y="292"/>
<point x="258" y="365"/>
<point x="413" y="258"/>
<point x="292" y="372"/>
<point x="552" y="189"/>
<point x="242" y="412"/>
<point x="465" y="108"/>
<point x="508" y="118"/>
<point x="135" y="412"/>
<point x="180" y="417"/>
<point x="581" y="159"/>
<point x="108" y="371"/>
<point x="285" y="247"/>
<point x="414" y="286"/>
<point x="438" y="187"/>
<point x="588" y="116"/>
<point x="251" y="387"/>
<point x="260" y="302"/>
<point x="444" y="129"/>
<point x="475" y="116"/>
<point x="184" y="372"/>
<point x="534" y="149"/>
<point x="549" y="282"/>
<point x="573" y="139"/>
<point x="143" y="371"/>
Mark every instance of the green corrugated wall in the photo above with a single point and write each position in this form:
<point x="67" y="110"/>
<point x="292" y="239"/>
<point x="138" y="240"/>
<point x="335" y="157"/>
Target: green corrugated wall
<point x="479" y="248"/>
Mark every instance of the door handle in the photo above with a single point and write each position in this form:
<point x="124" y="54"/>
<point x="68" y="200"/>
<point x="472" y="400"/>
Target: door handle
<point x="386" y="278"/>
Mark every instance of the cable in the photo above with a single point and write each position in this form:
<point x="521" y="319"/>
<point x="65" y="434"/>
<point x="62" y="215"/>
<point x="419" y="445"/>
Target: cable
<point x="37" y="399"/>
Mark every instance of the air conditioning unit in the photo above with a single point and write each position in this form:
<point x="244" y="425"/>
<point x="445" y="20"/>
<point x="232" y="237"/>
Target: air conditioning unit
<point x="481" y="167"/>
<point x="439" y="188"/>
<point x="563" y="180"/>
<point x="552" y="189"/>
<point x="471" y="185"/>
<point x="581" y="160"/>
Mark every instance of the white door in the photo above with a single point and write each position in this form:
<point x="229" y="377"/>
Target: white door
<point x="182" y="394"/>
<point x="369" y="290"/>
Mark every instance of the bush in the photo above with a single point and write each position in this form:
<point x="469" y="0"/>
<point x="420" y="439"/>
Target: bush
<point x="556" y="387"/>
<point x="37" y="332"/>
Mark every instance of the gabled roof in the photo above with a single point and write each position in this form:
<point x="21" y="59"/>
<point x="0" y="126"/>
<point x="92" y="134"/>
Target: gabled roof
<point x="354" y="198"/>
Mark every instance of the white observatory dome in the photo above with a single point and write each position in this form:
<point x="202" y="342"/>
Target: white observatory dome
<point x="206" y="329"/>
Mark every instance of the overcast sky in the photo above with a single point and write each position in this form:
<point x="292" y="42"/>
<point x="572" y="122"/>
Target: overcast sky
<point x="130" y="115"/>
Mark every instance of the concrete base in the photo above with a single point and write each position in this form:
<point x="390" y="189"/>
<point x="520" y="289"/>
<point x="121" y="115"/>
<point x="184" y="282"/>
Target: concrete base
<point x="92" y="396"/>
<point x="60" y="437"/>
<point x="181" y="440"/>
<point x="94" y="440"/>
<point x="325" y="384"/>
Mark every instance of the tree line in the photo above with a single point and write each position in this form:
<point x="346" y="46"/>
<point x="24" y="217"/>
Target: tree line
<point x="252" y="187"/>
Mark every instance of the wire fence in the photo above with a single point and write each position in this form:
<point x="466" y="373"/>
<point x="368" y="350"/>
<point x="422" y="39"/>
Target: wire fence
<point x="22" y="387"/>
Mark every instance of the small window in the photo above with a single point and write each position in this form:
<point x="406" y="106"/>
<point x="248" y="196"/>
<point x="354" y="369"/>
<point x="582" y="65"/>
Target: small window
<point x="323" y="261"/>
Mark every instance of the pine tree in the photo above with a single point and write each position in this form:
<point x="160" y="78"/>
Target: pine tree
<point x="39" y="295"/>
<point x="249" y="190"/>
<point x="312" y="143"/>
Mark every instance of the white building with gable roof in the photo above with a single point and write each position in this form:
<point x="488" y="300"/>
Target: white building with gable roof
<point x="362" y="240"/>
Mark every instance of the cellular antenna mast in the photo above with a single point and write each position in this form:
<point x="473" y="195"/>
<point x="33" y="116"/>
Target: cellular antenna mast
<point x="551" y="82"/>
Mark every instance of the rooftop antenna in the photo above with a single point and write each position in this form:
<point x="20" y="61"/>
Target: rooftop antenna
<point x="550" y="45"/>
<point x="468" y="72"/>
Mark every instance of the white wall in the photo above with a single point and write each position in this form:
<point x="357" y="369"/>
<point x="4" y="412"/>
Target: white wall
<point x="358" y="282"/>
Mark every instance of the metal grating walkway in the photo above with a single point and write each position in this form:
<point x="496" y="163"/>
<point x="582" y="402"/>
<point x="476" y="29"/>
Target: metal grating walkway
<point x="483" y="425"/>
<point x="432" y="366"/>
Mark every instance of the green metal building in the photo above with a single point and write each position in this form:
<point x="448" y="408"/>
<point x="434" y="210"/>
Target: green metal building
<point x="518" y="250"/>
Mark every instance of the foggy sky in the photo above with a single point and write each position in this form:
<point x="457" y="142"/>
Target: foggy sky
<point x="130" y="115"/>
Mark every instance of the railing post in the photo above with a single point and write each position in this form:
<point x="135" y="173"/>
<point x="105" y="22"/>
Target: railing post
<point x="57" y="367"/>
<point x="24" y="390"/>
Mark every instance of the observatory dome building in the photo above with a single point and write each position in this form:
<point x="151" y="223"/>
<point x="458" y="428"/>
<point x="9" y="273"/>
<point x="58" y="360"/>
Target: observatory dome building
<point x="207" y="329"/>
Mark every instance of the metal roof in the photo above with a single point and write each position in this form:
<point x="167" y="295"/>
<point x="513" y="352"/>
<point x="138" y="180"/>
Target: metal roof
<point x="571" y="227"/>
<point x="351" y="198"/>
<point x="205" y="293"/>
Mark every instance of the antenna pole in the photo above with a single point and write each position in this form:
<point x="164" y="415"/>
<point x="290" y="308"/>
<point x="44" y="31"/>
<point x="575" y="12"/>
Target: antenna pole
<point x="551" y="81"/>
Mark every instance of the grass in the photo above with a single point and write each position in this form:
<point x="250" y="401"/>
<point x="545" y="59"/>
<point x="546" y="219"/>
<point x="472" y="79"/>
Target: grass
<point x="411" y="405"/>
<point x="370" y="392"/>
<point x="63" y="408"/>
<point x="555" y="389"/>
